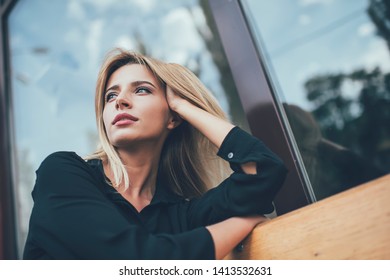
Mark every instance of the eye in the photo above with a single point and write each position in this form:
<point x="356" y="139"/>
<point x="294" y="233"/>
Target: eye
<point x="110" y="96"/>
<point x="142" y="90"/>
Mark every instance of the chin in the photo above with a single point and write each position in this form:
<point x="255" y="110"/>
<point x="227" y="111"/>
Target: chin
<point x="124" y="142"/>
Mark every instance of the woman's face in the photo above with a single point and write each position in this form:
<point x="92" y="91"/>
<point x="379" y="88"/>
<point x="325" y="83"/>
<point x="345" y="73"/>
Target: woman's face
<point x="136" y="110"/>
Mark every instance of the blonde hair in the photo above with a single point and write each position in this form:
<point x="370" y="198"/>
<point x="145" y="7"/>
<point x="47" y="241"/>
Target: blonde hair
<point x="188" y="162"/>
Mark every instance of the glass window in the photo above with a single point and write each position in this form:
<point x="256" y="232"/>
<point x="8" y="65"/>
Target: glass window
<point x="328" y="62"/>
<point x="56" y="49"/>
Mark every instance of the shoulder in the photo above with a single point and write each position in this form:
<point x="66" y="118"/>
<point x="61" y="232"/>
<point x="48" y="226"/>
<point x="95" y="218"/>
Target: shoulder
<point x="63" y="162"/>
<point x="64" y="172"/>
<point x="62" y="155"/>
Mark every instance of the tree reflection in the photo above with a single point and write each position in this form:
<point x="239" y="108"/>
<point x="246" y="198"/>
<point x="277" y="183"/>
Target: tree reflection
<point x="345" y="141"/>
<point x="359" y="125"/>
<point x="379" y="12"/>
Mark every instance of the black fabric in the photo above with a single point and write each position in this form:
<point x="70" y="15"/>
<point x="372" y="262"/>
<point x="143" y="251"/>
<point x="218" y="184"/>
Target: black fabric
<point x="77" y="215"/>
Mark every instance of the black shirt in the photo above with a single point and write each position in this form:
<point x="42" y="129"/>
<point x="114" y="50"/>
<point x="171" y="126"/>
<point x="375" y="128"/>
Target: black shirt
<point x="77" y="215"/>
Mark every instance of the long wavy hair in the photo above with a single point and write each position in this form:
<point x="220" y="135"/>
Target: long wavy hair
<point x="188" y="161"/>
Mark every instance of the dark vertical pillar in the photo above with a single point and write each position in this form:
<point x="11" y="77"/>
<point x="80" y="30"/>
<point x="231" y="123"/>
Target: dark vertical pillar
<point x="260" y="105"/>
<point x="8" y="246"/>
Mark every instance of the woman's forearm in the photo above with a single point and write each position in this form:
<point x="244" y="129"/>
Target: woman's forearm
<point x="213" y="128"/>
<point x="228" y="233"/>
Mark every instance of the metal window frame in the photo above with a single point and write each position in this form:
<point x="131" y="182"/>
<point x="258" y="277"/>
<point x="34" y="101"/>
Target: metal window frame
<point x="8" y="236"/>
<point x="263" y="112"/>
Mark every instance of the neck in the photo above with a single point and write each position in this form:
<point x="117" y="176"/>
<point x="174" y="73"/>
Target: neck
<point x="141" y="164"/>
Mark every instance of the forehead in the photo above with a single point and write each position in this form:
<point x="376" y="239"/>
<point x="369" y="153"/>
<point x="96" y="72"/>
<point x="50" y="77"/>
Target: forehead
<point x="131" y="73"/>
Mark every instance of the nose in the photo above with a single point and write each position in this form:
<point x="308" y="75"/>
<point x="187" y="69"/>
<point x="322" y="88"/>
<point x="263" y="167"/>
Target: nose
<point x="122" y="101"/>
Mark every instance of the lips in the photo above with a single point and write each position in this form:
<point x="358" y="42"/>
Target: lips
<point x="123" y="119"/>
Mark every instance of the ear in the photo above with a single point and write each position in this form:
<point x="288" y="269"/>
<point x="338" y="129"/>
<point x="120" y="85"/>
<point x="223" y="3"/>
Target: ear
<point x="174" y="121"/>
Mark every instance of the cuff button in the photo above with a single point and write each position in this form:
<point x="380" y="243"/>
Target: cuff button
<point x="230" y="155"/>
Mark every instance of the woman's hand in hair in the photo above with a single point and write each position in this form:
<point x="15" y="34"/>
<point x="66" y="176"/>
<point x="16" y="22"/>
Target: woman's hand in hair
<point x="174" y="100"/>
<point x="212" y="127"/>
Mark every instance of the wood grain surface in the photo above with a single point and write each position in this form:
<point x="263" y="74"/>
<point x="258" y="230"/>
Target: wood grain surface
<point x="354" y="224"/>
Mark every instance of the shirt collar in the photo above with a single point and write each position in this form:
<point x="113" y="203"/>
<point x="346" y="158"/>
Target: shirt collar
<point x="162" y="193"/>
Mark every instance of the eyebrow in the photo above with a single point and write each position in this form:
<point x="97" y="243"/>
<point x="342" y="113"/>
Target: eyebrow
<point x="133" y="84"/>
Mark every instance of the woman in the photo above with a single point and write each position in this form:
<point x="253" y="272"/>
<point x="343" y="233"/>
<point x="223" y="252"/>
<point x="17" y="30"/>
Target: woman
<point x="142" y="195"/>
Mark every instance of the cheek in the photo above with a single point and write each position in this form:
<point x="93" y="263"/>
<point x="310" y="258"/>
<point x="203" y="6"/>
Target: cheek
<point x="106" y="118"/>
<point x="157" y="112"/>
<point x="165" y="110"/>
<point x="164" y="114"/>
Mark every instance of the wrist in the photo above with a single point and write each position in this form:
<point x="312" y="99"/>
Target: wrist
<point x="254" y="220"/>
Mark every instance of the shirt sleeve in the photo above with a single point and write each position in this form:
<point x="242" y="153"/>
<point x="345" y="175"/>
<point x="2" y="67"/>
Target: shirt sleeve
<point x="241" y="194"/>
<point x="72" y="219"/>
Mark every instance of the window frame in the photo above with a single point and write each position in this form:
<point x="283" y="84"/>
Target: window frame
<point x="263" y="111"/>
<point x="8" y="234"/>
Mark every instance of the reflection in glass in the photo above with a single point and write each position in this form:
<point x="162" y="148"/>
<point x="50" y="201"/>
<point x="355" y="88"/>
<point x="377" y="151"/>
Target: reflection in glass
<point x="329" y="65"/>
<point x="56" y="49"/>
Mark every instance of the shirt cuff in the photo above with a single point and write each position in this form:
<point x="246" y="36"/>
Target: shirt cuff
<point x="237" y="148"/>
